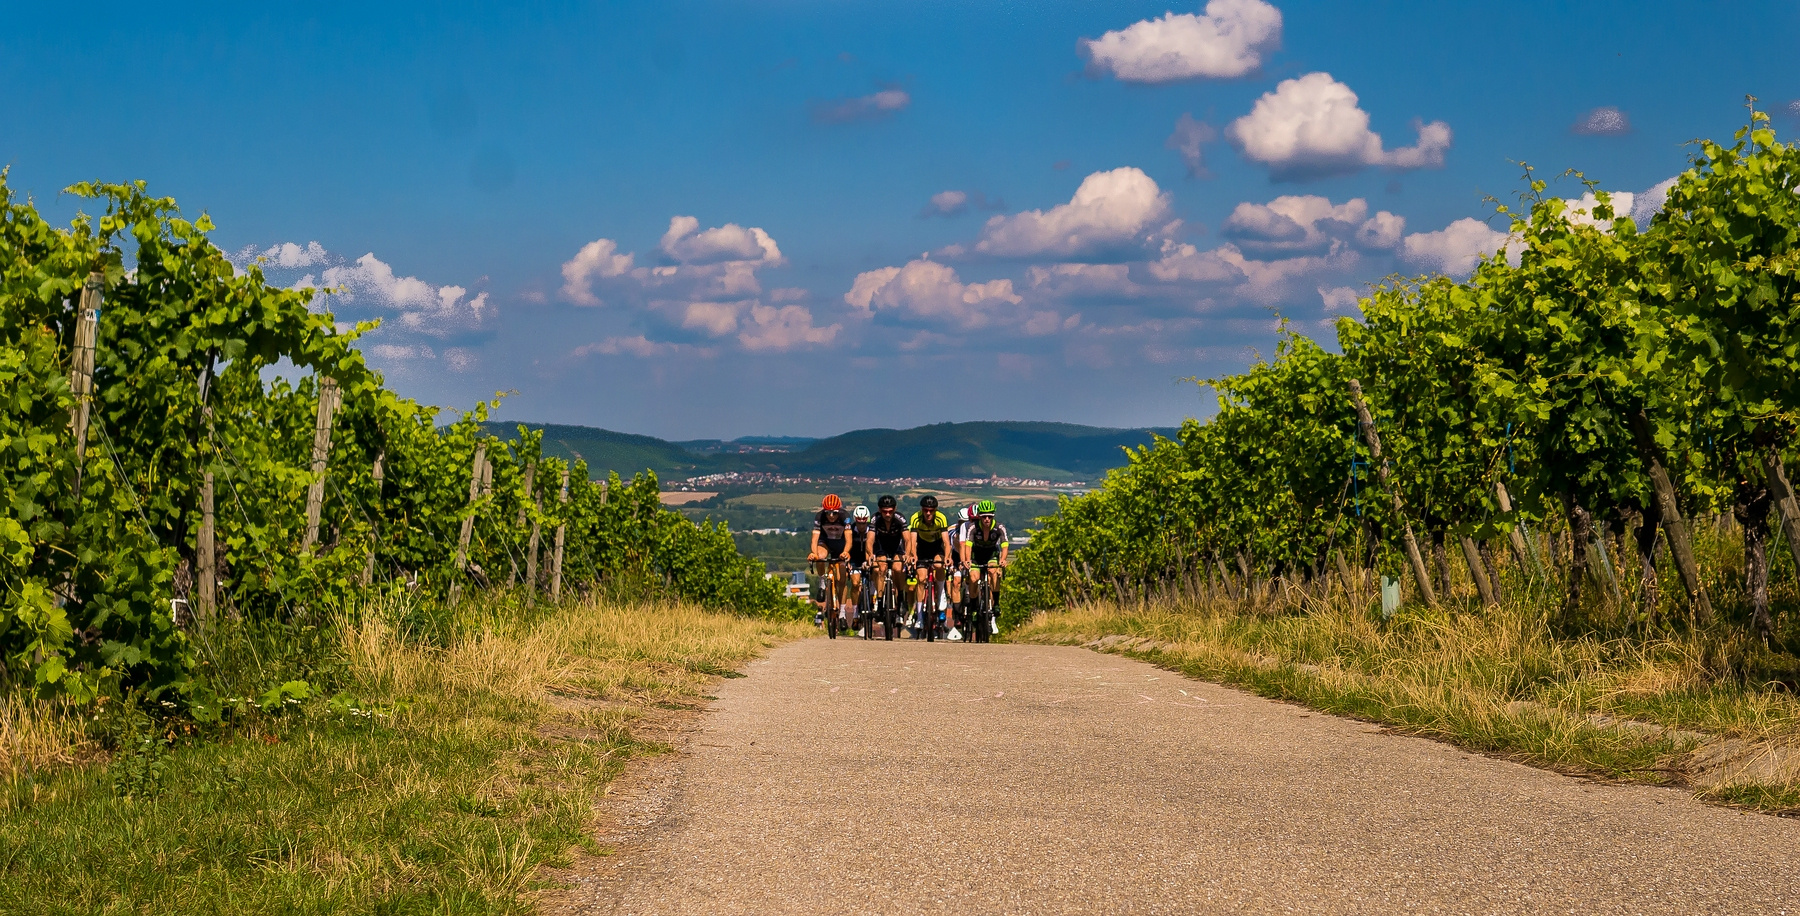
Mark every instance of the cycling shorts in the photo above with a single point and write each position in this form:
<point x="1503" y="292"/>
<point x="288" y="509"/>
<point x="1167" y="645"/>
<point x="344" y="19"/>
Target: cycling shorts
<point x="833" y="548"/>
<point x="889" y="545"/>
<point x="979" y="555"/>
<point x="930" y="550"/>
<point x="858" y="554"/>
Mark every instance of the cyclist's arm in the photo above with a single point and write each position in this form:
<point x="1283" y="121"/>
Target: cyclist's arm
<point x="814" y="550"/>
<point x="965" y="549"/>
<point x="869" y="543"/>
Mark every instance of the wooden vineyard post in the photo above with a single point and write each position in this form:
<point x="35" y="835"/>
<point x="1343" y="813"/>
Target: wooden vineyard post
<point x="531" y="546"/>
<point x="81" y="369"/>
<point x="1478" y="572"/>
<point x="1515" y="537"/>
<point x="530" y="478"/>
<point x="562" y="526"/>
<point x="1351" y="583"/>
<point x="368" y="577"/>
<point x="1681" y="544"/>
<point x="1783" y="492"/>
<point x="1370" y="436"/>
<point x="321" y="450"/>
<point x="468" y="523"/>
<point x="206" y="555"/>
<point x="81" y="384"/>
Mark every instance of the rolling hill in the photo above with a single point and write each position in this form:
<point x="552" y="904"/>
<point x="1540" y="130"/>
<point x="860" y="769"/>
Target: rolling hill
<point x="1053" y="451"/>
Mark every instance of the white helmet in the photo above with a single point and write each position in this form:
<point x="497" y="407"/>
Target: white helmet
<point x="860" y="513"/>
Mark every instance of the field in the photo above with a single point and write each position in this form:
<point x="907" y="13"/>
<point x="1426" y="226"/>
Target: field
<point x="422" y="778"/>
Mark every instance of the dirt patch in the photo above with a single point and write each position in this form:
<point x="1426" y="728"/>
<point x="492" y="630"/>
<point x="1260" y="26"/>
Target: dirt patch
<point x="683" y="497"/>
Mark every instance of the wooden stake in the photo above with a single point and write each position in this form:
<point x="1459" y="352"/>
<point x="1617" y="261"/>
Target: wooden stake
<point x="1681" y="544"/>
<point x="1783" y="494"/>
<point x="81" y="383"/>
<point x="1351" y="582"/>
<point x="206" y="554"/>
<point x="321" y="450"/>
<point x="1478" y="572"/>
<point x="1515" y="537"/>
<point x="368" y="577"/>
<point x="513" y="577"/>
<point x="468" y="522"/>
<point x="1367" y="423"/>
<point x="556" y="559"/>
<point x="81" y="368"/>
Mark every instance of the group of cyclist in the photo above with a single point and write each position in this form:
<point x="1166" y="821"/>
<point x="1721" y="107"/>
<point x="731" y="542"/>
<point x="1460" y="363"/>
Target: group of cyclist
<point x="925" y="558"/>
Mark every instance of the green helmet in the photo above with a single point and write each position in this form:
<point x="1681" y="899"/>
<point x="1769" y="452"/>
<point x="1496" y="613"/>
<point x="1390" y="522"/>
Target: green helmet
<point x="985" y="507"/>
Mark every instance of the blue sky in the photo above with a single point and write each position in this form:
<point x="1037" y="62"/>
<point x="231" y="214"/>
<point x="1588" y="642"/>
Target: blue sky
<point x="698" y="219"/>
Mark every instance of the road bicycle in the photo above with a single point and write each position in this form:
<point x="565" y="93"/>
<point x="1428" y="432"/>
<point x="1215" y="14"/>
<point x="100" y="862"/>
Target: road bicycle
<point x="831" y="581"/>
<point x="881" y="606"/>
<point x="984" y="601"/>
<point x="929" y="600"/>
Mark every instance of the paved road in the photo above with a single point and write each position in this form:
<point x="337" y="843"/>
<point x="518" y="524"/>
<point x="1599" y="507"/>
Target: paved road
<point x="1026" y="779"/>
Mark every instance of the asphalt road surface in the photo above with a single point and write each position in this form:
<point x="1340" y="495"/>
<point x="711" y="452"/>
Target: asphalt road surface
<point x="853" y="777"/>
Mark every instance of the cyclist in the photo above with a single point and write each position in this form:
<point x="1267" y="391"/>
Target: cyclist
<point x="828" y="543"/>
<point x="964" y="518"/>
<point x="984" y="540"/>
<point x="889" y="541"/>
<point x="926" y="537"/>
<point x="861" y="535"/>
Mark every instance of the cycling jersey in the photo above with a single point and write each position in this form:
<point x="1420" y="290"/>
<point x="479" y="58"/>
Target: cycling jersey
<point x="890" y="533"/>
<point x="859" y="543"/>
<point x="830" y="525"/>
<point x="971" y="534"/>
<point x="930" y="529"/>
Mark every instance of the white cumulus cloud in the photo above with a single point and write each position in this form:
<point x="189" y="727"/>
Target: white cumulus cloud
<point x="788" y="327"/>
<point x="1111" y="212"/>
<point x="1228" y="40"/>
<point x="1454" y="249"/>
<point x="687" y="243"/>
<point x="599" y="259"/>
<point x="1308" y="224"/>
<point x="928" y="291"/>
<point x="422" y="307"/>
<point x="1312" y="126"/>
<point x="290" y="256"/>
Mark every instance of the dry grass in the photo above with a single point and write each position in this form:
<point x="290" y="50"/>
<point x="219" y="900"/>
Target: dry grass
<point x="36" y="736"/>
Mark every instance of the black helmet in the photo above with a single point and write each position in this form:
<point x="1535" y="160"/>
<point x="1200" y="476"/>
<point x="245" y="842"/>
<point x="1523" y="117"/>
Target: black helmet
<point x="928" y="501"/>
<point x="886" y="502"/>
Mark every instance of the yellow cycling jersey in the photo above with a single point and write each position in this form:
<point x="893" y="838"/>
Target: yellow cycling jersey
<point x="930" y="528"/>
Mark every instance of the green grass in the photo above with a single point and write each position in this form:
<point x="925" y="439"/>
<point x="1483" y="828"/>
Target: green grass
<point x="439" y="781"/>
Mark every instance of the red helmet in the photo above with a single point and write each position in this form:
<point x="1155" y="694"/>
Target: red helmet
<point x="831" y="502"/>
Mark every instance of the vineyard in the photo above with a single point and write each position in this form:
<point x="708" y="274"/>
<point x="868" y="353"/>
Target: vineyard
<point x="162" y="474"/>
<point x="1595" y="422"/>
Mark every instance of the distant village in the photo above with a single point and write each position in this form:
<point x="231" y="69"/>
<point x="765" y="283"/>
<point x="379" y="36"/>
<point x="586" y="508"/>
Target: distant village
<point x="756" y="478"/>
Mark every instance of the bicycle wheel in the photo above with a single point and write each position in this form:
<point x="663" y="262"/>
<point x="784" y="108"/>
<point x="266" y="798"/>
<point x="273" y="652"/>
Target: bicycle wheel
<point x="928" y="610"/>
<point x="890" y="605"/>
<point x="831" y="605"/>
<point x="865" y="606"/>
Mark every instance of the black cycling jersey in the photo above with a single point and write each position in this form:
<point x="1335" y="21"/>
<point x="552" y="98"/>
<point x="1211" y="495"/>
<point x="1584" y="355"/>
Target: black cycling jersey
<point x="890" y="534"/>
<point x="830" y="524"/>
<point x="859" y="543"/>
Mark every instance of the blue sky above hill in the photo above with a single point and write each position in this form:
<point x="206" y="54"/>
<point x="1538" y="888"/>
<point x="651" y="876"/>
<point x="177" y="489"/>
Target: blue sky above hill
<point x="700" y="219"/>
